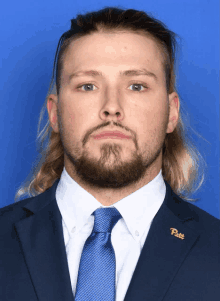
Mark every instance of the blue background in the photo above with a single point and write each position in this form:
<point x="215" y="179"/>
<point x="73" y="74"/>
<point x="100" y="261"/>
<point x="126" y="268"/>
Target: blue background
<point x="29" y="33"/>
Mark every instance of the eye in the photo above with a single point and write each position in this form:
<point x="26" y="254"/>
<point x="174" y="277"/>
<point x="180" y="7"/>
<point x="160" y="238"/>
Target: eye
<point x="88" y="85"/>
<point x="136" y="85"/>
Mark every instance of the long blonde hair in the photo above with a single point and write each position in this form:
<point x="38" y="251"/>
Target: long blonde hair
<point x="183" y="167"/>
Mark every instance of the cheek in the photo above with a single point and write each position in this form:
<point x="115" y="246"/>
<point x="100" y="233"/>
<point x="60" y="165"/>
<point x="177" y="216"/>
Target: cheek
<point x="152" y="119"/>
<point x="74" y="120"/>
<point x="71" y="118"/>
<point x="69" y="113"/>
<point x="70" y="122"/>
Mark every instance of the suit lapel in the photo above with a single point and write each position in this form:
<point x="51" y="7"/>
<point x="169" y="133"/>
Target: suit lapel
<point x="42" y="242"/>
<point x="163" y="254"/>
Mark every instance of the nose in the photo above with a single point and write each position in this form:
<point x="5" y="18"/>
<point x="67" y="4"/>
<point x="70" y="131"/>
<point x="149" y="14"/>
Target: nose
<point x="112" y="109"/>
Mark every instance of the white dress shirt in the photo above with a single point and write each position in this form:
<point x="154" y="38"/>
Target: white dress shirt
<point x="128" y="236"/>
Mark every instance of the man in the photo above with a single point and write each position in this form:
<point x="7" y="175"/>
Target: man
<point x="108" y="226"/>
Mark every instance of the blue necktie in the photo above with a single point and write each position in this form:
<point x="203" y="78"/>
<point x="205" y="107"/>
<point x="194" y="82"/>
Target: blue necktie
<point x="96" y="276"/>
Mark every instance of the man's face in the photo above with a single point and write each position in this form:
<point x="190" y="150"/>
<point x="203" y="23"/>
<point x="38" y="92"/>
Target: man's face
<point x="136" y="105"/>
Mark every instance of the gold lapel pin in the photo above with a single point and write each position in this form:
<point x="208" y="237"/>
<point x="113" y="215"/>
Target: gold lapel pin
<point x="175" y="233"/>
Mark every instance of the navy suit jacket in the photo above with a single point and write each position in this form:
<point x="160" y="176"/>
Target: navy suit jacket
<point x="182" y="266"/>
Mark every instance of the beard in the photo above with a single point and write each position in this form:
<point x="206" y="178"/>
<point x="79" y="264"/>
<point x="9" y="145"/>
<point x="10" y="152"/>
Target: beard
<point x="110" y="170"/>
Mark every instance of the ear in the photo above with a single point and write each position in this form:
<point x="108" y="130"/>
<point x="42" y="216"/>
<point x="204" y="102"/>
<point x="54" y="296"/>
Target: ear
<point x="174" y="105"/>
<point x="52" y="101"/>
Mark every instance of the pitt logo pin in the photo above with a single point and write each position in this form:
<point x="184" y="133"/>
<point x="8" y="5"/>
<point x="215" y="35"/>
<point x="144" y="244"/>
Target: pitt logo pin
<point x="175" y="233"/>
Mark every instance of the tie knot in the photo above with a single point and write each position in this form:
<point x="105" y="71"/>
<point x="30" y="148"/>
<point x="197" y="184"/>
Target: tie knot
<point x="105" y="219"/>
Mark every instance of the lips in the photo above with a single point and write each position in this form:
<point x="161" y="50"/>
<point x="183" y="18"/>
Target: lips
<point x="111" y="134"/>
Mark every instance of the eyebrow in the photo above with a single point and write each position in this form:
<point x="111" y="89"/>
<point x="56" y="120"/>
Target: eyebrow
<point x="133" y="72"/>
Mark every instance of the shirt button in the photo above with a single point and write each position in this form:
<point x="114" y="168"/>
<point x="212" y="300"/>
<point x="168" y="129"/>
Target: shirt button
<point x="136" y="233"/>
<point x="73" y="230"/>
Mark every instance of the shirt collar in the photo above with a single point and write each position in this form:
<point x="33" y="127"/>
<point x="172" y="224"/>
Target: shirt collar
<point x="137" y="209"/>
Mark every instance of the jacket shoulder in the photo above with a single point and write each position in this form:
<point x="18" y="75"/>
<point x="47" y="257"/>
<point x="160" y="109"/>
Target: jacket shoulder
<point x="202" y="214"/>
<point x="13" y="213"/>
<point x="203" y="221"/>
<point x="24" y="208"/>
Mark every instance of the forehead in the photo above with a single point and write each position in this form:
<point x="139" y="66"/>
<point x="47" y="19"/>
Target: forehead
<point x="113" y="50"/>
